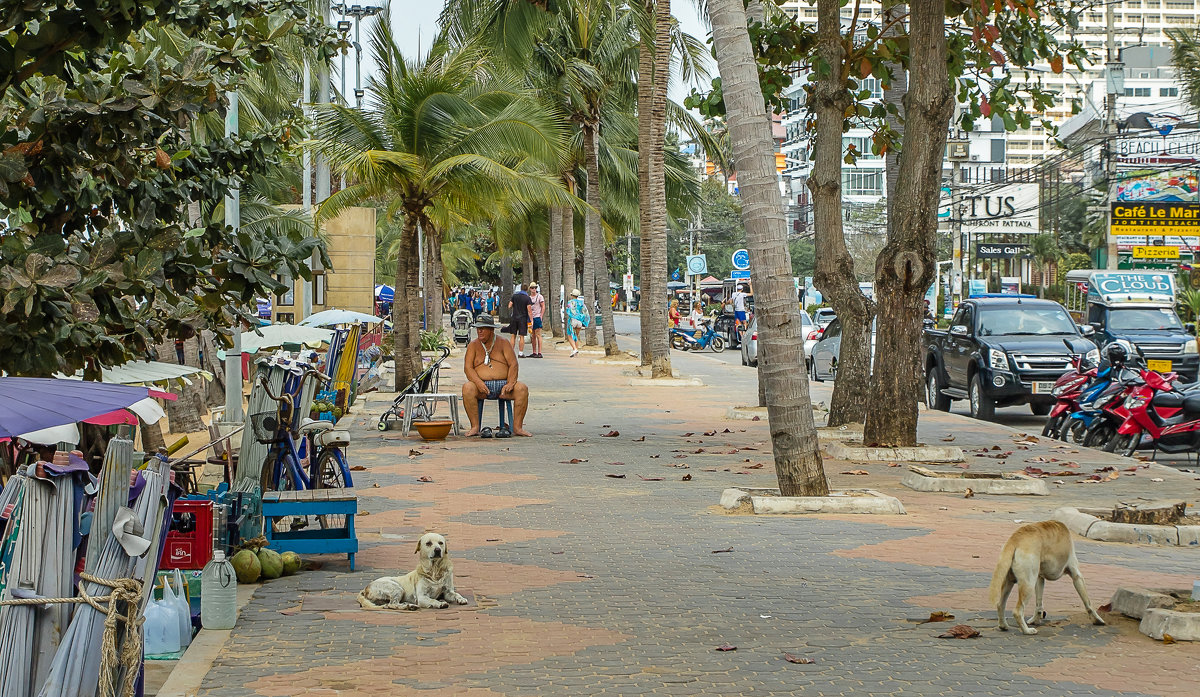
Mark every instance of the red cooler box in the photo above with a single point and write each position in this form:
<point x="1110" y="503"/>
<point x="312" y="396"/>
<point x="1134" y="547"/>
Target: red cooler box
<point x="189" y="543"/>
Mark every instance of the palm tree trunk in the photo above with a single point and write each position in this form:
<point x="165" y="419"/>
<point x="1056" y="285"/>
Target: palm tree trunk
<point x="432" y="285"/>
<point x="653" y="77"/>
<point x="528" y="273"/>
<point x="835" y="267"/>
<point x="908" y="262"/>
<point x="554" y="294"/>
<point x="789" y="407"/>
<point x="596" y="244"/>
<point x="591" y="229"/>
<point x="506" y="287"/>
<point x="216" y="386"/>
<point x="570" y="276"/>
<point x="405" y="321"/>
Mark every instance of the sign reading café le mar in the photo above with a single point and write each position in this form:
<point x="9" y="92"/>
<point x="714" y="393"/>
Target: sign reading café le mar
<point x="1150" y="218"/>
<point x="999" y="251"/>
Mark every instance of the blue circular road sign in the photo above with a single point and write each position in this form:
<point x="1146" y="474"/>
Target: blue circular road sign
<point x="741" y="259"/>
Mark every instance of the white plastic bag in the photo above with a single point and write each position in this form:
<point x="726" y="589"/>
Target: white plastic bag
<point x="161" y="628"/>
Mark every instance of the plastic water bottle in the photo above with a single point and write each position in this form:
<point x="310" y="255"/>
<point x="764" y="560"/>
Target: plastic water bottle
<point x="173" y="593"/>
<point x="218" y="594"/>
<point x="161" y="628"/>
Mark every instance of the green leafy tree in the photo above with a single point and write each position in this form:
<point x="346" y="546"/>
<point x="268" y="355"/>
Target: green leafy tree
<point x="102" y="255"/>
<point x="1044" y="251"/>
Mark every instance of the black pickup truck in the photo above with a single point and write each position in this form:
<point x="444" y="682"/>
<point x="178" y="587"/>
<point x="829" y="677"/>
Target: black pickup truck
<point x="1001" y="351"/>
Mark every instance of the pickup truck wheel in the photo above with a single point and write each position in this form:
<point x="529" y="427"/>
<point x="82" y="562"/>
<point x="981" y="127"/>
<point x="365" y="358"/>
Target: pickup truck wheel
<point x="1040" y="408"/>
<point x="934" y="399"/>
<point x="982" y="406"/>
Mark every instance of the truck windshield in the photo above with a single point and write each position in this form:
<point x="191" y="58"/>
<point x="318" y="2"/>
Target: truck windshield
<point x="1142" y="319"/>
<point x="1010" y="321"/>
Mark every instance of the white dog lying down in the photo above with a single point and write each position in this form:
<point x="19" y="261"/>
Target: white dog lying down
<point x="431" y="584"/>
<point x="1036" y="553"/>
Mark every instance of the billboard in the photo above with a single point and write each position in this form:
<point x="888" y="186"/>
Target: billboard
<point x="1157" y="186"/>
<point x="1155" y="219"/>
<point x="1008" y="210"/>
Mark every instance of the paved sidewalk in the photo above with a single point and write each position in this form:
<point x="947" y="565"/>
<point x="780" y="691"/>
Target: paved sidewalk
<point x="584" y="584"/>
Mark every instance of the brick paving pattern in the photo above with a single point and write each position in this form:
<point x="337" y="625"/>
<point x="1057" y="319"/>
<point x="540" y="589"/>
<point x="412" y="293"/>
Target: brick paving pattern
<point x="582" y="584"/>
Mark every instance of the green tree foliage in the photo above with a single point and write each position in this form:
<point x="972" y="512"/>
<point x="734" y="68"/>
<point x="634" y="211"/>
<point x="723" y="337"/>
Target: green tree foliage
<point x="100" y="256"/>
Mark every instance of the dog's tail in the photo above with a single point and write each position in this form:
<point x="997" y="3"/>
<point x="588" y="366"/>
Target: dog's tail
<point x="1003" y="567"/>
<point x="366" y="602"/>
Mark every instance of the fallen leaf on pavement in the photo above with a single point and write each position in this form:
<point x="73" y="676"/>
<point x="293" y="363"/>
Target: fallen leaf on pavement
<point x="969" y="493"/>
<point x="726" y="647"/>
<point x="757" y="466"/>
<point x="711" y="433"/>
<point x="362" y="513"/>
<point x="615" y="464"/>
<point x="639" y="440"/>
<point x="357" y="468"/>
<point x="1156" y="479"/>
<point x="492" y="539"/>
<point x="1106" y="607"/>
<point x="1168" y="639"/>
<point x="573" y="461"/>
<point x="960" y="631"/>
<point x="611" y="434"/>
<point x="652" y="457"/>
<point x="374" y="486"/>
<point x="1112" y="475"/>
<point x="722" y="551"/>
<point x="680" y="457"/>
<point x="650" y="479"/>
<point x="424" y="478"/>
<point x="727" y="431"/>
<point x="415" y="453"/>
<point x="709" y="469"/>
<point x="290" y="611"/>
<point x="948" y="439"/>
<point x="687" y="434"/>
<point x="797" y="659"/>
<point x="856" y="472"/>
<point x="615" y="476"/>
<point x="687" y="478"/>
<point x="581" y="440"/>
<point x="938" y="616"/>
<point x="556" y="552"/>
<point x="995" y="447"/>
<point x="756" y="419"/>
<point x="963" y="465"/>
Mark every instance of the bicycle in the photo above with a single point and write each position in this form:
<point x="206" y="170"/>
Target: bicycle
<point x="321" y="445"/>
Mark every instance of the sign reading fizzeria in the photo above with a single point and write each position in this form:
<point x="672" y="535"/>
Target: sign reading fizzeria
<point x="1148" y="218"/>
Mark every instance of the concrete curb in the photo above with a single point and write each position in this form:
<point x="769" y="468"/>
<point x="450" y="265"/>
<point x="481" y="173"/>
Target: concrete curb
<point x="1134" y="602"/>
<point x="769" y="502"/>
<point x="746" y="413"/>
<point x="1018" y="486"/>
<point x="1183" y="626"/>
<point x="666" y="382"/>
<point x="925" y="453"/>
<point x="1085" y="524"/>
<point x="851" y="432"/>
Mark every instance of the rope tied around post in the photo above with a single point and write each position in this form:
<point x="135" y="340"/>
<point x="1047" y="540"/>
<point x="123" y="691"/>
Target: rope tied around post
<point x="122" y="605"/>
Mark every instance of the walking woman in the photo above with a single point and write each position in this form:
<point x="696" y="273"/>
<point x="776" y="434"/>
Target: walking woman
<point x="537" y="310"/>
<point x="577" y="318"/>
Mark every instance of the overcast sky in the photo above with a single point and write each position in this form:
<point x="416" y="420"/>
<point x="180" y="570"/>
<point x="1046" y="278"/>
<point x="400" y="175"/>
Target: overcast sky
<point x="414" y="23"/>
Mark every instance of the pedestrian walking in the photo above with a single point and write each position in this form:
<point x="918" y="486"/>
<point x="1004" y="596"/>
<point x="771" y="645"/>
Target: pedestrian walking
<point x="577" y="318"/>
<point x="518" y="326"/>
<point x="537" y="310"/>
<point x="673" y="313"/>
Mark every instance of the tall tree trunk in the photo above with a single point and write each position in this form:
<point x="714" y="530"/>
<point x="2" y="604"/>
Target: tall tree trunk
<point x="789" y="408"/>
<point x="506" y="287"/>
<point x="181" y="412"/>
<point x="570" y="276"/>
<point x="432" y="285"/>
<point x="554" y="294"/>
<point x="593" y="245"/>
<point x="908" y="263"/>
<point x="653" y="79"/>
<point x="835" y="267"/>
<point x="192" y="395"/>
<point x="528" y="273"/>
<point x="596" y="245"/>
<point x="405" y="308"/>
<point x="216" y="386"/>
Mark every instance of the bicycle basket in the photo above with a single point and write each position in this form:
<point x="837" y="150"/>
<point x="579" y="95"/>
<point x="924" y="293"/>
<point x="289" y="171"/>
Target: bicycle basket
<point x="265" y="426"/>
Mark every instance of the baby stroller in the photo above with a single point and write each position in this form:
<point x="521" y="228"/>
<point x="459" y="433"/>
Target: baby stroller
<point x="424" y="383"/>
<point x="460" y="325"/>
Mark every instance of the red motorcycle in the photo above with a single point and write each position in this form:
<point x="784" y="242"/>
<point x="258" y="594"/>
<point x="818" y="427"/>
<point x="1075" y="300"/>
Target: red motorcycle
<point x="1067" y="389"/>
<point x="1158" y="415"/>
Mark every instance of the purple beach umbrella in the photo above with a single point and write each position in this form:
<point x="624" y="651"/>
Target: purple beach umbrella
<point x="31" y="404"/>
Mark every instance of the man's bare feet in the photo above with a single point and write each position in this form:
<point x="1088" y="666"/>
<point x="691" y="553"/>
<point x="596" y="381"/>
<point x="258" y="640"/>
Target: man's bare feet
<point x="472" y="432"/>
<point x="522" y="432"/>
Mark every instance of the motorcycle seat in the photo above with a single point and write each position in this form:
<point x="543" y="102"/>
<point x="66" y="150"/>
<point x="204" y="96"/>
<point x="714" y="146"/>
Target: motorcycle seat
<point x="1168" y="400"/>
<point x="1191" y="403"/>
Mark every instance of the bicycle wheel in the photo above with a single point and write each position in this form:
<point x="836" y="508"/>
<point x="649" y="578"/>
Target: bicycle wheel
<point x="331" y="473"/>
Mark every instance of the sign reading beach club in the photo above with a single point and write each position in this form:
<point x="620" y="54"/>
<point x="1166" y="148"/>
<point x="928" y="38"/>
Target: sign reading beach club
<point x="1151" y="218"/>
<point x="1009" y="210"/>
<point x="999" y="251"/>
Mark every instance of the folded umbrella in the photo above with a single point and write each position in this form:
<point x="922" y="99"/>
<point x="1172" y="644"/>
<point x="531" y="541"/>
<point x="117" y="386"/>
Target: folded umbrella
<point x="328" y="318"/>
<point x="31" y="404"/>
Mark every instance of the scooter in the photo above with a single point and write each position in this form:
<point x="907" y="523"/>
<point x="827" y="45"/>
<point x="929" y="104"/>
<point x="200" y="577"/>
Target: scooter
<point x="1067" y="389"/>
<point x="1149" y="409"/>
<point x="683" y="340"/>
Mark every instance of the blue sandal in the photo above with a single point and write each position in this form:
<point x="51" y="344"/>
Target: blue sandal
<point x="485" y="432"/>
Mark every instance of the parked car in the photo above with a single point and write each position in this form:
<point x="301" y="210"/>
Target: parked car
<point x="1002" y="351"/>
<point x="750" y="339"/>
<point x="823" y="316"/>
<point x="822" y="363"/>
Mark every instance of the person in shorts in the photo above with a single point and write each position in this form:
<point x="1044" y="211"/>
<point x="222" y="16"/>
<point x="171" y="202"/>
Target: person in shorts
<point x="490" y="367"/>
<point x="518" y="326"/>
<point x="537" y="311"/>
<point x="739" y="306"/>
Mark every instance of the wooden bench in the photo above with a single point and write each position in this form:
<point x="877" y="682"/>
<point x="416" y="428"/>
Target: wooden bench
<point x="314" y="539"/>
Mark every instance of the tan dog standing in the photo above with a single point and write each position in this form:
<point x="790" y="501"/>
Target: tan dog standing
<point x="1034" y="554"/>
<point x="430" y="585"/>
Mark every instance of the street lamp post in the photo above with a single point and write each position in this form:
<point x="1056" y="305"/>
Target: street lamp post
<point x="358" y="12"/>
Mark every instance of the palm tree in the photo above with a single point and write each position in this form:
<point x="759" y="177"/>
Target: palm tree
<point x="1185" y="55"/>
<point x="789" y="409"/>
<point x="448" y="130"/>
<point x="1043" y="249"/>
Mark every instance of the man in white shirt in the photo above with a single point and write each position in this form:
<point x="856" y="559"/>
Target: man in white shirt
<point x="738" y="299"/>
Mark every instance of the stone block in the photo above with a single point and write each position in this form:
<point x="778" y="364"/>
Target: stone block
<point x="733" y="498"/>
<point x="1134" y="602"/>
<point x="746" y="413"/>
<point x="1189" y="535"/>
<point x="1020" y="486"/>
<point x="1182" y="626"/>
<point x="1076" y="521"/>
<point x="666" y="382"/>
<point x="923" y="453"/>
<point x="1133" y="534"/>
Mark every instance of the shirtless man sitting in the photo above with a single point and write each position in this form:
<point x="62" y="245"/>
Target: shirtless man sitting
<point x="491" y="369"/>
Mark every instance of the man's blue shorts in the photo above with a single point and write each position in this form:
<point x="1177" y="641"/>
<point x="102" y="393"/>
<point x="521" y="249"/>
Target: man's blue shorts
<point x="537" y="322"/>
<point x="741" y="315"/>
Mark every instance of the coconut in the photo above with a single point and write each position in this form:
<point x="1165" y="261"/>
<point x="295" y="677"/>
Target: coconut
<point x="291" y="563"/>
<point x="272" y="564"/>
<point x="246" y="566"/>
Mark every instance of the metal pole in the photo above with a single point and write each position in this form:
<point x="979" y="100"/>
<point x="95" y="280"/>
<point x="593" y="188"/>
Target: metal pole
<point x="233" y="218"/>
<point x="1110" y="129"/>
<point x="323" y="88"/>
<point x="958" y="260"/>
<point x="357" y="61"/>
<point x="306" y="291"/>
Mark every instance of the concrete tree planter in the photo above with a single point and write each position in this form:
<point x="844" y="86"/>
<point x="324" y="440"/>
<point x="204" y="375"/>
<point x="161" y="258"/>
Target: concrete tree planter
<point x="1156" y="610"/>
<point x="1008" y="483"/>
<point x="641" y="378"/>
<point x="850" y="432"/>
<point x="1092" y="524"/>
<point x="769" y="502"/>
<point x="746" y="413"/>
<point x="855" y="451"/>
